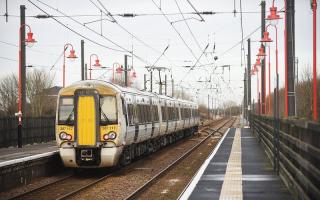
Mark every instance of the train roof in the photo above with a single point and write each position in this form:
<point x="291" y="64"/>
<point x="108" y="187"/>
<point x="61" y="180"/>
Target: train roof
<point x="122" y="89"/>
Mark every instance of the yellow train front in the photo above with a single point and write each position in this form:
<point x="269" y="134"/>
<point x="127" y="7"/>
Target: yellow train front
<point x="87" y="125"/>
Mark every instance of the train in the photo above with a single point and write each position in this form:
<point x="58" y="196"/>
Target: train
<point x="101" y="124"/>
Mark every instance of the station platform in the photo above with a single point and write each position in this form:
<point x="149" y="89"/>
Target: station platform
<point x="237" y="169"/>
<point x="14" y="155"/>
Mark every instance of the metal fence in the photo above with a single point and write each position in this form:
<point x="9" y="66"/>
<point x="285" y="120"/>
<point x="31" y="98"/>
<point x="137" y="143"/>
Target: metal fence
<point x="35" y="130"/>
<point x="295" y="149"/>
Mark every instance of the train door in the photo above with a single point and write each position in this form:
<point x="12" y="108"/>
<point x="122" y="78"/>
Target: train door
<point x="87" y="117"/>
<point x="131" y="120"/>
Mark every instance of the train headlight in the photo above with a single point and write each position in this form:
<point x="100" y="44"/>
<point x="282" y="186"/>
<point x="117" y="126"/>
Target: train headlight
<point x="105" y="136"/>
<point x="110" y="136"/>
<point x="65" y="136"/>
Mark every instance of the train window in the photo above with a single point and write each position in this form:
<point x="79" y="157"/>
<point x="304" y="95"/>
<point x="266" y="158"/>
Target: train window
<point x="108" y="108"/>
<point x="141" y="114"/>
<point x="163" y="113"/>
<point x="148" y="112"/>
<point x="66" y="111"/>
<point x="155" y="114"/>
<point x="176" y="113"/>
<point x="130" y="114"/>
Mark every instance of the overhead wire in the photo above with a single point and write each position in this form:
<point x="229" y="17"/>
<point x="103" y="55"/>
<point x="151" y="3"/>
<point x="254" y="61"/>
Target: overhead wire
<point x="76" y="21"/>
<point x="108" y="13"/>
<point x="185" y="21"/>
<point x="34" y="50"/>
<point x="70" y="29"/>
<point x="194" y="8"/>
<point x="135" y="14"/>
<point x="185" y="43"/>
<point x="235" y="45"/>
<point x="28" y="64"/>
<point x="191" y="68"/>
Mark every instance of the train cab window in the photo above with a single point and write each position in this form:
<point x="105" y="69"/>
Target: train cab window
<point x="66" y="111"/>
<point x="108" y="108"/>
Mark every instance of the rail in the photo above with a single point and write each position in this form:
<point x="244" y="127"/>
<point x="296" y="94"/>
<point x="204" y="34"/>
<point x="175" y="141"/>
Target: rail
<point x="293" y="147"/>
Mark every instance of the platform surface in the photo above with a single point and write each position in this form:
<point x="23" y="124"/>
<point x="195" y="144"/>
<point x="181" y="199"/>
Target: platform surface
<point x="13" y="155"/>
<point x="238" y="169"/>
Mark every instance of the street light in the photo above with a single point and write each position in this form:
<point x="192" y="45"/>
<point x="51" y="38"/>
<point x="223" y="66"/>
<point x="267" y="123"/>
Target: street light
<point x="96" y="64"/>
<point x="273" y="18"/>
<point x="29" y="42"/>
<point x="253" y="72"/>
<point x="113" y="67"/>
<point x="258" y="63"/>
<point x="133" y="76"/>
<point x="261" y="55"/>
<point x="72" y="56"/>
<point x="266" y="40"/>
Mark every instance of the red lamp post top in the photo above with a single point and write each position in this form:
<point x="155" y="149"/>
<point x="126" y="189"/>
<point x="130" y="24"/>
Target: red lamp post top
<point x="97" y="63"/>
<point x="72" y="54"/>
<point x="119" y="70"/>
<point x="258" y="63"/>
<point x="273" y="17"/>
<point x="261" y="53"/>
<point x="266" y="38"/>
<point x="30" y="40"/>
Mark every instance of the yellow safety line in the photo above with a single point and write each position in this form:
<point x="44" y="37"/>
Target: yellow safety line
<point x="232" y="184"/>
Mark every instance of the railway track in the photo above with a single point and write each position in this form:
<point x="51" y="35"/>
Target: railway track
<point x="71" y="185"/>
<point x="140" y="190"/>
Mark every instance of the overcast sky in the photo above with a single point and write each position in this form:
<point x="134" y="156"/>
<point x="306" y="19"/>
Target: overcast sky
<point x="152" y="32"/>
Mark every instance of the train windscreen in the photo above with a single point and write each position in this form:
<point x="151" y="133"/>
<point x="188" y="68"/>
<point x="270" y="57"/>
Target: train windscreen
<point x="108" y="110"/>
<point x="66" y="110"/>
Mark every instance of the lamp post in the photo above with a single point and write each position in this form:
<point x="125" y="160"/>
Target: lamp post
<point x="71" y="56"/>
<point x="261" y="55"/>
<point x="256" y="65"/>
<point x="133" y="75"/>
<point x="252" y="73"/>
<point x="96" y="64"/>
<point x="113" y="67"/>
<point x="273" y="18"/>
<point x="315" y="97"/>
<point x="29" y="42"/>
<point x="119" y="71"/>
<point x="265" y="40"/>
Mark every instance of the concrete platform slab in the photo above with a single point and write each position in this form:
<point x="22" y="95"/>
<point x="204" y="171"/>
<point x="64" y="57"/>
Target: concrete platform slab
<point x="238" y="169"/>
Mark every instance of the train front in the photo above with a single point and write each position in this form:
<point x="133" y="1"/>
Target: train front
<point x="87" y="125"/>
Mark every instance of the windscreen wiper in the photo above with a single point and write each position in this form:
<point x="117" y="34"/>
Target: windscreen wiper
<point x="105" y="116"/>
<point x="69" y="117"/>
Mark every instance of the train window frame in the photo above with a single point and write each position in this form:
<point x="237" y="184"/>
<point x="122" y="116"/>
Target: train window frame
<point x="108" y="122"/>
<point x="72" y="120"/>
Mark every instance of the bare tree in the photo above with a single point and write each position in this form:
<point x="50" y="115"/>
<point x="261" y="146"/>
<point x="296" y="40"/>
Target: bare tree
<point x="37" y="82"/>
<point x="9" y="95"/>
<point x="304" y="95"/>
